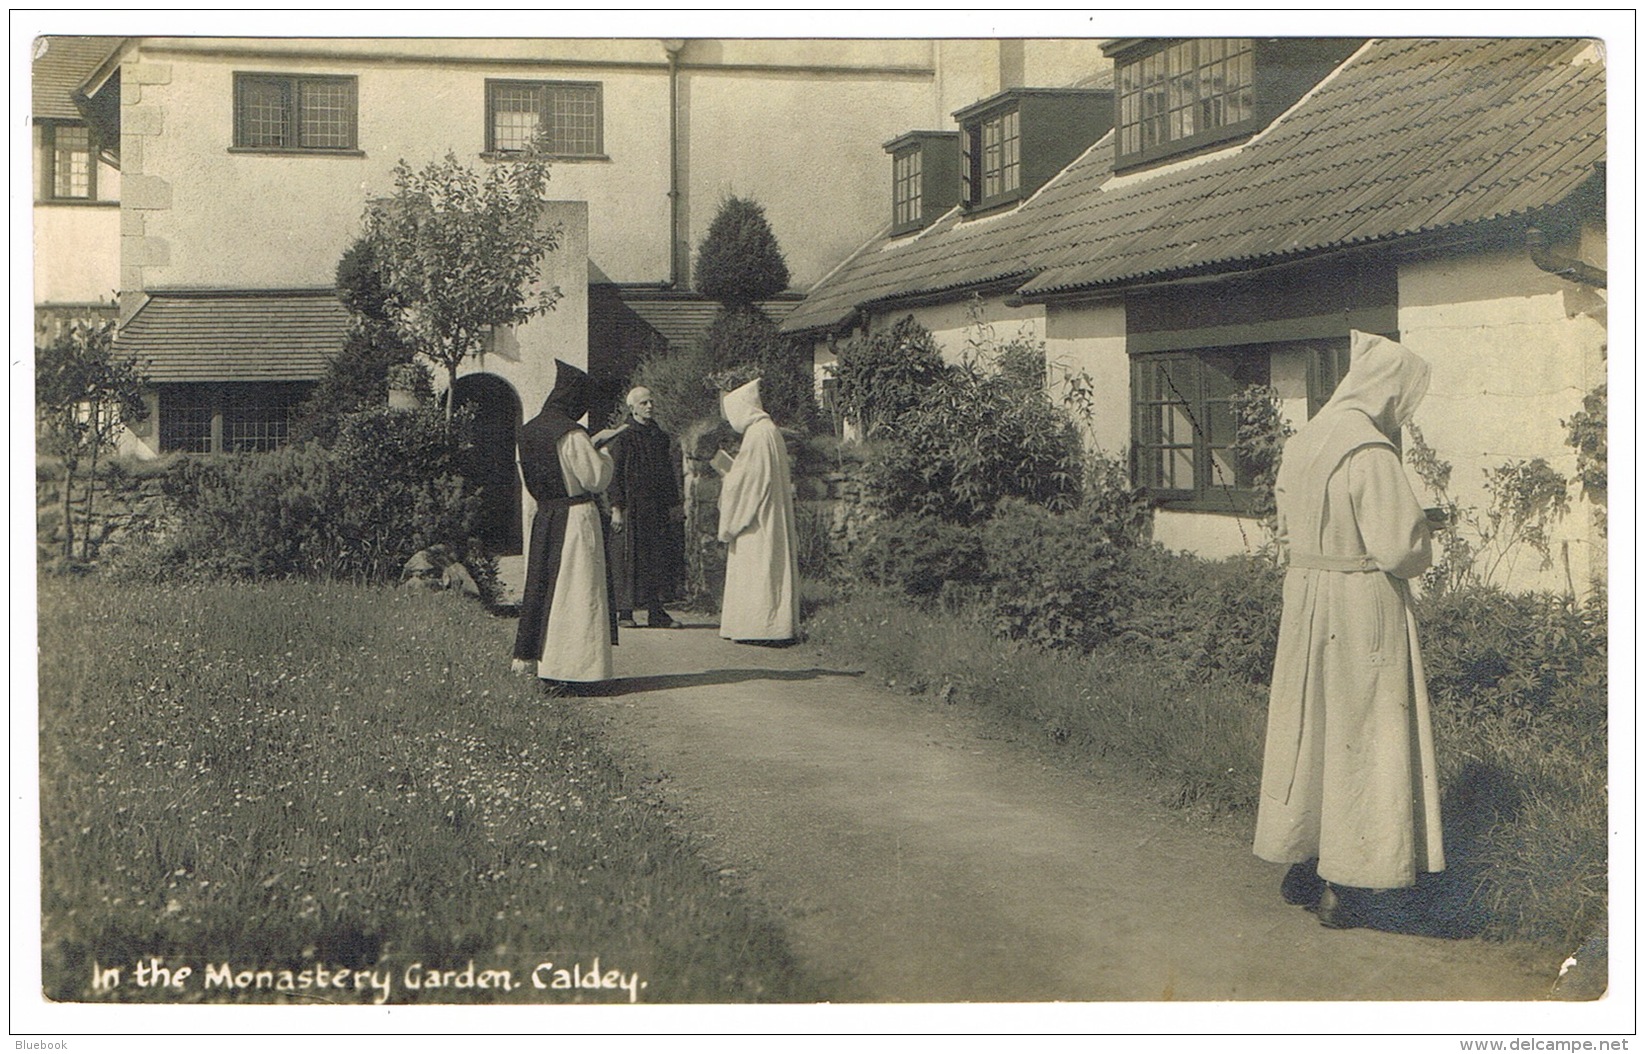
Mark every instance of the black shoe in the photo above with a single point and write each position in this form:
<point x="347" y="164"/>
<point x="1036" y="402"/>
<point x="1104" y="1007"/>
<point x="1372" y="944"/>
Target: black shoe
<point x="1302" y="885"/>
<point x="663" y="620"/>
<point x="1335" y="913"/>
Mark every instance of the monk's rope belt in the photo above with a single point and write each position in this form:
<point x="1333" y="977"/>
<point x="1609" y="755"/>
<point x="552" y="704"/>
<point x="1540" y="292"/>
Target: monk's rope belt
<point x="1321" y="562"/>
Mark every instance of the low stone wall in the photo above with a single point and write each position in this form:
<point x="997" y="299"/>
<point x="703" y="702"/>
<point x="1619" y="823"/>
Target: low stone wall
<point x="835" y="498"/>
<point x="126" y="509"/>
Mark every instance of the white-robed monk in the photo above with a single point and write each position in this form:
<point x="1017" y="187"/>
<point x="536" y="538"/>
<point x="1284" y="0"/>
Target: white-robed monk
<point x="567" y="626"/>
<point x="762" y="599"/>
<point x="1348" y="775"/>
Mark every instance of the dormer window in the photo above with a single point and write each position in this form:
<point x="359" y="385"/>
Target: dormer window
<point x="1191" y="91"/>
<point x="1015" y="141"/>
<point x="1181" y="97"/>
<point x="994" y="158"/>
<point x="924" y="178"/>
<point x="905" y="188"/>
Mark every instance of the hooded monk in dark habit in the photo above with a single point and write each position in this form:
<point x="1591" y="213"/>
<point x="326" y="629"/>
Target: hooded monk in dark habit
<point x="1349" y="788"/>
<point x="567" y="626"/>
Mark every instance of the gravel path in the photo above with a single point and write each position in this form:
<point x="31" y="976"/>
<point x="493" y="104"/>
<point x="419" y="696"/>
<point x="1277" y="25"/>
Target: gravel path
<point x="913" y="857"/>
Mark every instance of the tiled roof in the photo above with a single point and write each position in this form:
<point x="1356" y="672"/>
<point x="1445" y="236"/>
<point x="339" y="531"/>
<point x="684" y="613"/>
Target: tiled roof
<point x="1408" y="136"/>
<point x="1411" y="136"/>
<point x="287" y="335"/>
<point x="682" y="319"/>
<point x="61" y="65"/>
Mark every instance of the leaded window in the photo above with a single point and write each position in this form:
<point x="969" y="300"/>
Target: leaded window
<point x="1187" y="91"/>
<point x="186" y="412"/>
<point x="227" y="418"/>
<point x="72" y="164"/>
<point x="905" y="188"/>
<point x="565" y="115"/>
<point x="283" y="112"/>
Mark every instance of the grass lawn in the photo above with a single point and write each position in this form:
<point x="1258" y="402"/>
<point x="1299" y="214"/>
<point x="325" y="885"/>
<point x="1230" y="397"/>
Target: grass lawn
<point x="325" y="794"/>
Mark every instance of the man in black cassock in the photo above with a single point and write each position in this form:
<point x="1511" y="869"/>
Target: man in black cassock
<point x="647" y="543"/>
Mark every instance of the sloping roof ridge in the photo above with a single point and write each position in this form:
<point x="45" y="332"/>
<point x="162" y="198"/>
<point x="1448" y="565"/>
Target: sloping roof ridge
<point x="1063" y="173"/>
<point x="1322" y="85"/>
<point x="877" y="236"/>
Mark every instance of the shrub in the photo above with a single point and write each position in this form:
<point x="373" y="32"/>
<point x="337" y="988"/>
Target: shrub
<point x="1050" y="575"/>
<point x="882" y="376"/>
<point x="738" y="261"/>
<point x="1200" y="617"/>
<point x="1527" y="656"/>
<point x="677" y="378"/>
<point x="399" y="489"/>
<point x="976" y="437"/>
<point x="359" y="510"/>
<point x="918" y="555"/>
<point x="1112" y="504"/>
<point x="744" y="343"/>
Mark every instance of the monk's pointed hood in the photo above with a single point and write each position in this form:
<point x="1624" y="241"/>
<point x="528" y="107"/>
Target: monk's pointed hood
<point x="742" y="406"/>
<point x="561" y="410"/>
<point x="1386" y="382"/>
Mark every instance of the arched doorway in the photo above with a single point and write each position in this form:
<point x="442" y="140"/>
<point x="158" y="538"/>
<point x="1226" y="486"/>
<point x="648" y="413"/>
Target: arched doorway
<point x="489" y="465"/>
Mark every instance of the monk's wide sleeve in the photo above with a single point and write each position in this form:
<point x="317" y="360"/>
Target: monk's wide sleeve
<point x="745" y="488"/>
<point x="1391" y="521"/>
<point x="587" y="471"/>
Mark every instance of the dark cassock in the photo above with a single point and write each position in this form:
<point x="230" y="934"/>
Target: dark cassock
<point x="567" y="624"/>
<point x="647" y="551"/>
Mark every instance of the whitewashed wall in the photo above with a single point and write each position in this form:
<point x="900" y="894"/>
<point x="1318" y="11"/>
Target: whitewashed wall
<point x="1513" y="351"/>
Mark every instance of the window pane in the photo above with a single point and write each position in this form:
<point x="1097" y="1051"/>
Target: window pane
<point x="1180" y="469"/>
<point x="514" y="116"/>
<point x="263" y="113"/>
<point x="574" y="120"/>
<point x="1010" y="175"/>
<point x="71" y="162"/>
<point x="257" y="418"/>
<point x="185" y="419"/>
<point x="1225" y="472"/>
<point x="326" y="113"/>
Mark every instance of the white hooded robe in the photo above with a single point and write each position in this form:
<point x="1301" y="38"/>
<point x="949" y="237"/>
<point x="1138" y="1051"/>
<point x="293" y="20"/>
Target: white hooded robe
<point x="762" y="599"/>
<point x="579" y="633"/>
<point x="1348" y="772"/>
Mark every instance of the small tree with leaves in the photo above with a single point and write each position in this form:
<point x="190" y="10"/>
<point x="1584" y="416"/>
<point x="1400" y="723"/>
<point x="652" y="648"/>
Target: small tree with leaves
<point x="882" y="375"/>
<point x="1260" y="432"/>
<point x="84" y="394"/>
<point x="459" y="253"/>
